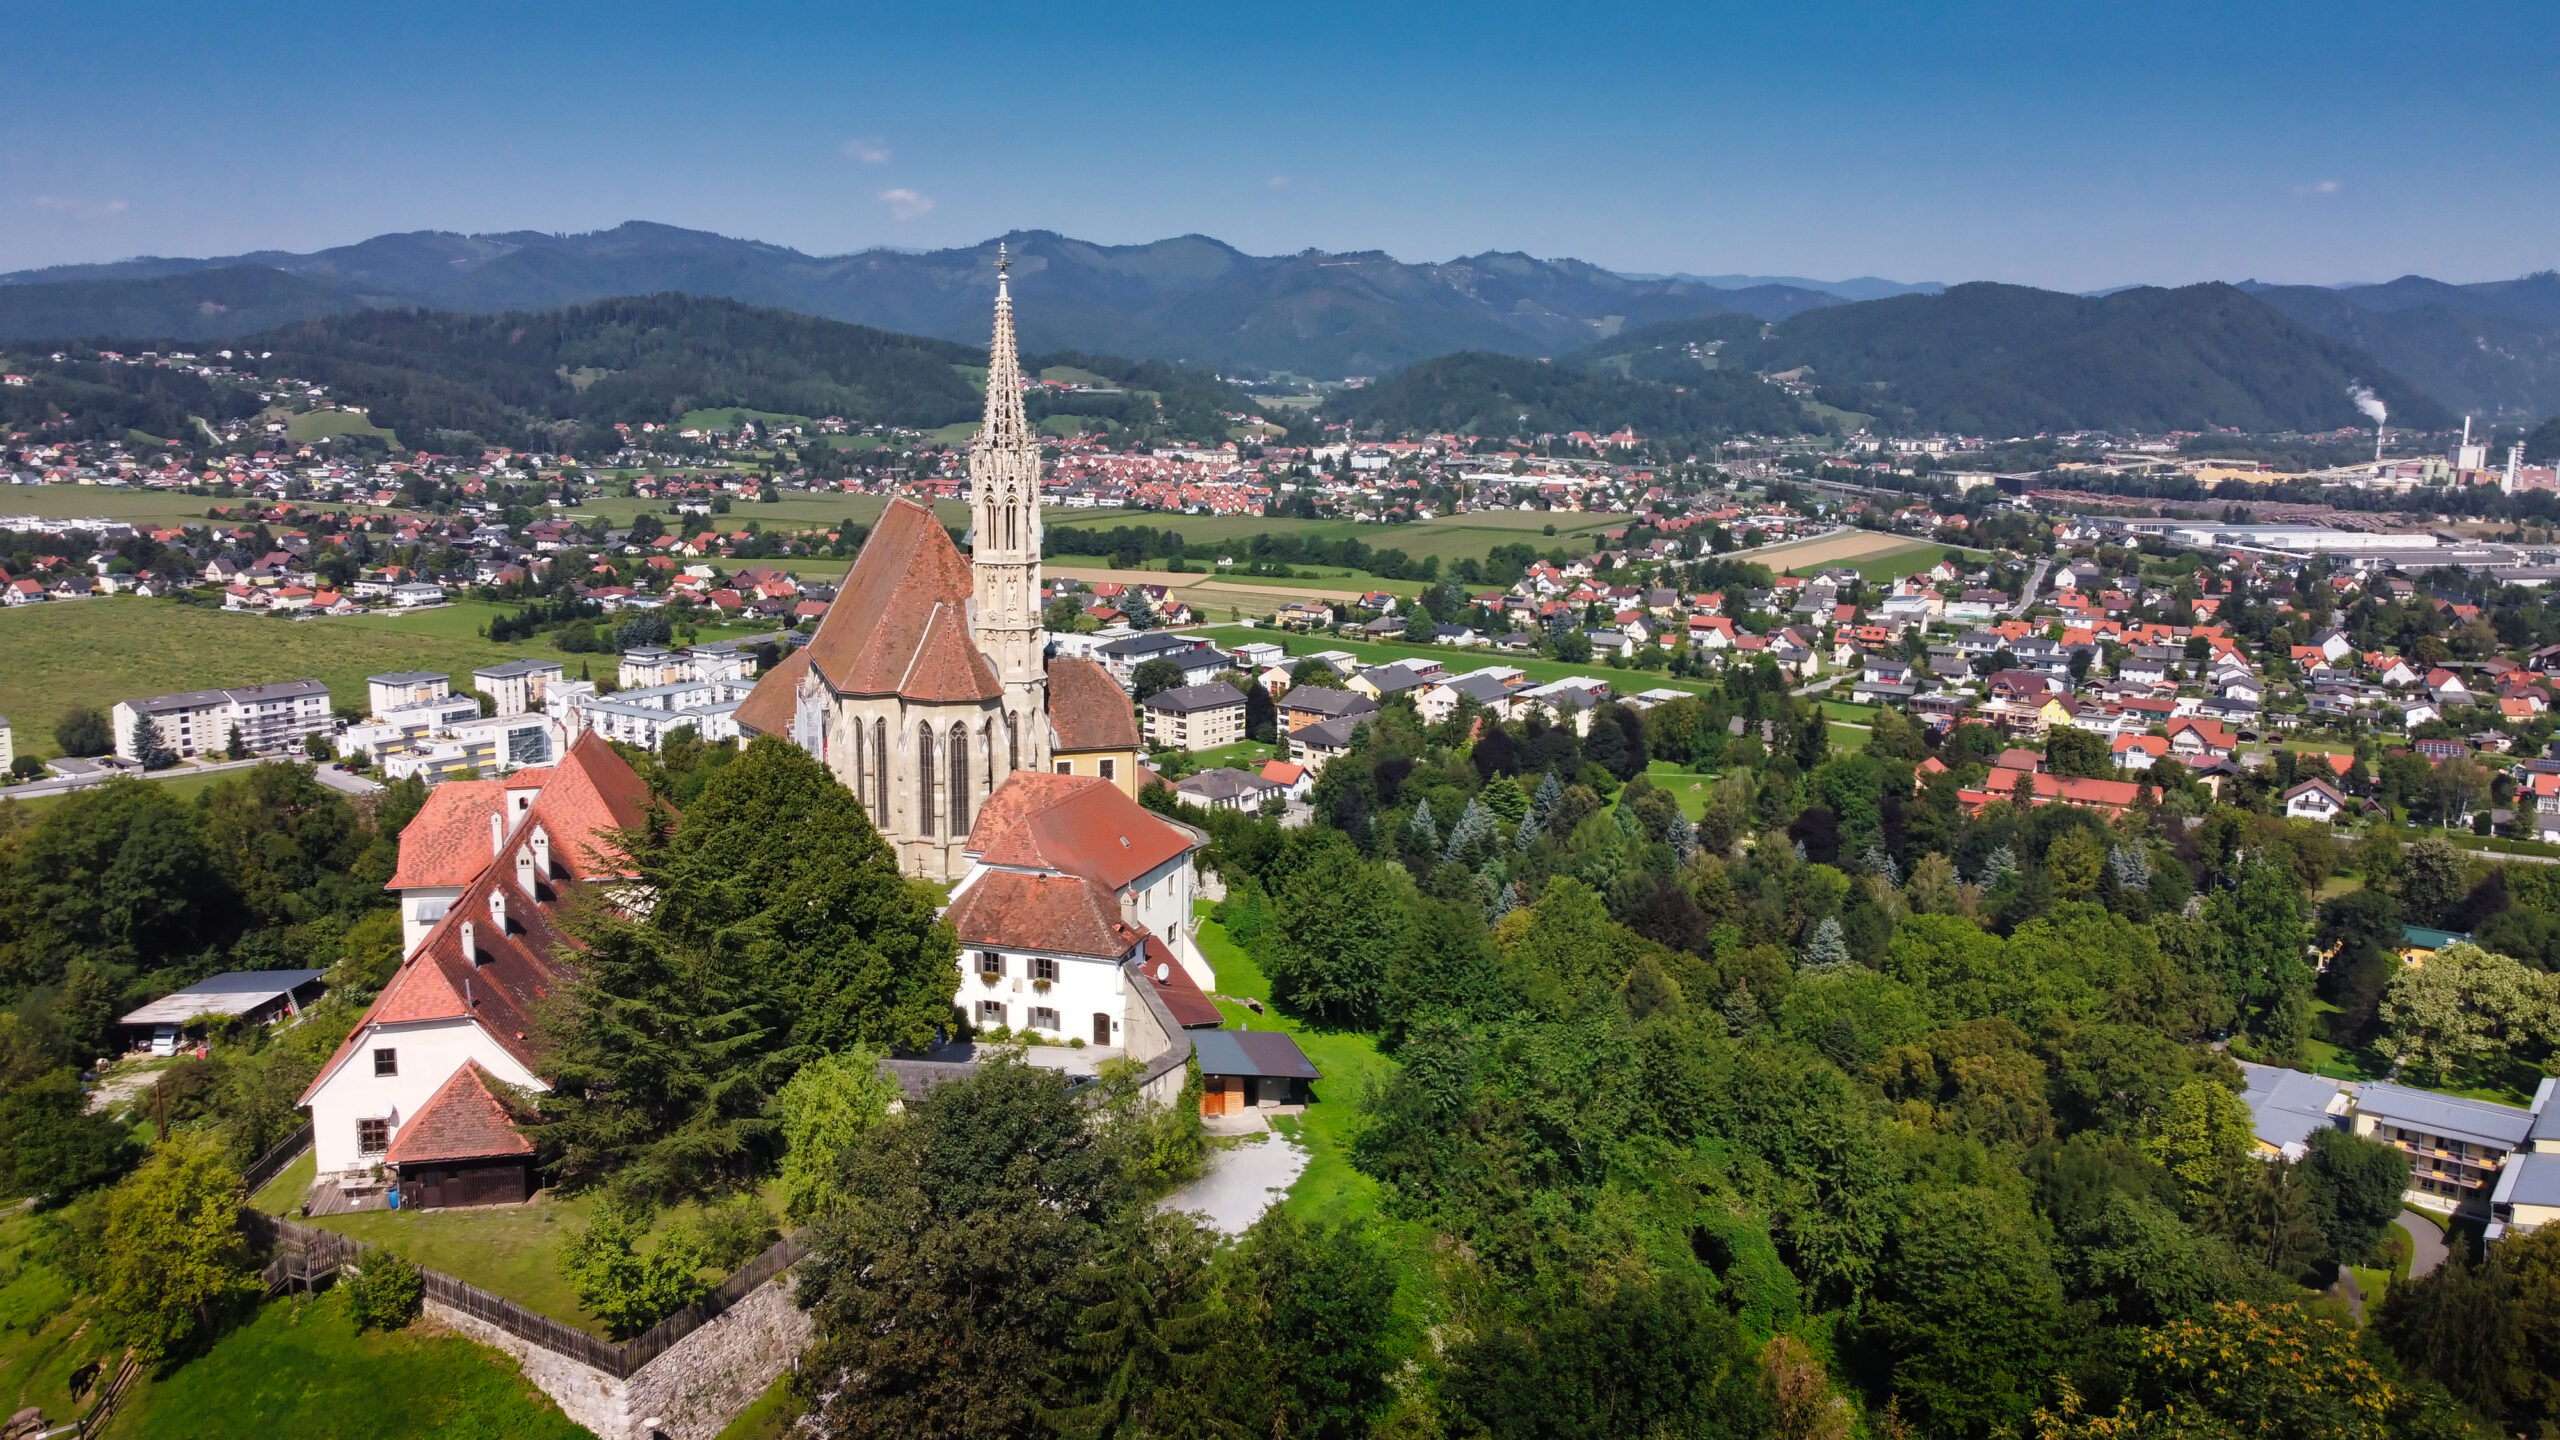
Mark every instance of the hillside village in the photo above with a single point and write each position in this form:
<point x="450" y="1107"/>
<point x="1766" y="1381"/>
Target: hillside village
<point x="1939" y="923"/>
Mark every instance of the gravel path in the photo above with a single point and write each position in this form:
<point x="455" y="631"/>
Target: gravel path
<point x="1241" y="1182"/>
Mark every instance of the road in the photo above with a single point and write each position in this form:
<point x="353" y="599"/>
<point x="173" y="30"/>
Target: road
<point x="1817" y="687"/>
<point x="2428" y="1242"/>
<point x="65" y="784"/>
<point x="2035" y="582"/>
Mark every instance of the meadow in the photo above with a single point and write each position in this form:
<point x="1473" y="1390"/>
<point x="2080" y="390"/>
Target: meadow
<point x="97" y="652"/>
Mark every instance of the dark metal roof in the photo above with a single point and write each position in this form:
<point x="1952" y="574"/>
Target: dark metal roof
<point x="1252" y="1052"/>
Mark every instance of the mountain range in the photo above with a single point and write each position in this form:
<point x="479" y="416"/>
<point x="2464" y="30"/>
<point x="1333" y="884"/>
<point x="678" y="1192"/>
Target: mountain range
<point x="2000" y="358"/>
<point x="1190" y="299"/>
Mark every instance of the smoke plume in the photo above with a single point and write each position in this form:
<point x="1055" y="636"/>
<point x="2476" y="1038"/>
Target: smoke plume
<point x="2369" y="403"/>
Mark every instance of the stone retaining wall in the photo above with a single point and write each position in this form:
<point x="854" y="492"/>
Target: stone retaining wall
<point x="694" y="1389"/>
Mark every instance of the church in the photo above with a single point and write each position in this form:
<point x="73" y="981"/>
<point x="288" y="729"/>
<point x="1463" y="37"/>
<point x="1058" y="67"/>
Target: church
<point x="928" y="682"/>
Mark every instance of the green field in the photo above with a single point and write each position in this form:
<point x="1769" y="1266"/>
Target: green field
<point x="724" y="418"/>
<point x="1452" y="537"/>
<point x="97" y="652"/>
<point x="313" y="425"/>
<point x="299" y="1371"/>
<point x="1890" y="565"/>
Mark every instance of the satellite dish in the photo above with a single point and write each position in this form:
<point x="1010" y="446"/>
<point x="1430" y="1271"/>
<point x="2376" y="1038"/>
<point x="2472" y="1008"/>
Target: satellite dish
<point x="1164" y="972"/>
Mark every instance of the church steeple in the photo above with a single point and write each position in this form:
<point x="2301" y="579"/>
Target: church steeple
<point x="1004" y="550"/>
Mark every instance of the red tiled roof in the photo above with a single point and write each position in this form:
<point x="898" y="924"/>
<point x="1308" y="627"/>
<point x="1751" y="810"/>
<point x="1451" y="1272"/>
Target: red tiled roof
<point x="900" y="624"/>
<point x="770" y="707"/>
<point x="1068" y="914"/>
<point x="463" y="1120"/>
<point x="1075" y="824"/>
<point x="447" y="842"/>
<point x="593" y="791"/>
<point x="1087" y="708"/>
<point x="1179" y="992"/>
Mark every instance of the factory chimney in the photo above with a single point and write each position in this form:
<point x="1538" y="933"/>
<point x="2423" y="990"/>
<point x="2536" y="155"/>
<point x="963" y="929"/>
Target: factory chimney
<point x="2515" y="468"/>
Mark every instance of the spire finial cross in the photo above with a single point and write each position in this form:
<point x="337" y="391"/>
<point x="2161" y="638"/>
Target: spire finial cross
<point x="1003" y="265"/>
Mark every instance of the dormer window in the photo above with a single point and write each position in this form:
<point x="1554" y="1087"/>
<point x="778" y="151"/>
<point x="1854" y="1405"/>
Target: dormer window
<point x="498" y="910"/>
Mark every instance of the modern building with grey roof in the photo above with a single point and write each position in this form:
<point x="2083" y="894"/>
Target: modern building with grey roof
<point x="2286" y="1106"/>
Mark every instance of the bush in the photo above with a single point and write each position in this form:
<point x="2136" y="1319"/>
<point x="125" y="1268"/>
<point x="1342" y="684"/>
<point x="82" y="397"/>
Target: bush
<point x="387" y="1294"/>
<point x="617" y="1284"/>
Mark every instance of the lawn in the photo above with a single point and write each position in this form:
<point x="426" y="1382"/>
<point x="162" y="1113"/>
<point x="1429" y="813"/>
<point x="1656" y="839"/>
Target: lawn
<point x="1458" y="661"/>
<point x="46" y="1332"/>
<point x="1242" y="755"/>
<point x="299" y="1371"/>
<point x="115" y="502"/>
<point x="97" y="652"/>
<point x="1685" y="786"/>
<point x="1330" y="1189"/>
<point x="509" y="1250"/>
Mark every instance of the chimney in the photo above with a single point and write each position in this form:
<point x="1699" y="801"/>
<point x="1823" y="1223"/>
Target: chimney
<point x="525" y="872"/>
<point x="470" y="942"/>
<point x="541" y="854"/>
<point x="498" y="909"/>
<point x="497" y="834"/>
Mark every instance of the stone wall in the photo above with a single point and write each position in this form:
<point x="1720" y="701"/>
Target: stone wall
<point x="711" y="1375"/>
<point x="695" y="1389"/>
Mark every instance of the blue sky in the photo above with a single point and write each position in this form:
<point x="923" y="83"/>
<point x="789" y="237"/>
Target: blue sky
<point x="2069" y="144"/>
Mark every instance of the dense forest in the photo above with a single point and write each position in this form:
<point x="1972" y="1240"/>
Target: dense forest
<point x="1738" y="1082"/>
<point x="561" y="379"/>
<point x="1480" y="393"/>
<point x="1986" y="359"/>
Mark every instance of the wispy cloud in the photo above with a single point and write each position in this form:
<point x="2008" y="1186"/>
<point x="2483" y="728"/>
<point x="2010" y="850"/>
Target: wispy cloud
<point x="906" y="204"/>
<point x="871" y="150"/>
<point x="79" y="209"/>
<point x="2317" y="187"/>
<point x="1278" y="182"/>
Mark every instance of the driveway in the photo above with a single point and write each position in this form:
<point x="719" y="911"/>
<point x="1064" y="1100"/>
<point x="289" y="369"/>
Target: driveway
<point x="2429" y="1251"/>
<point x="1241" y="1182"/>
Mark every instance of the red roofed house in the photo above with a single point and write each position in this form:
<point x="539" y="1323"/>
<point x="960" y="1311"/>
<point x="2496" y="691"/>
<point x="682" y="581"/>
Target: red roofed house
<point x="2110" y="796"/>
<point x="416" y="1089"/>
<point x="1070" y="884"/>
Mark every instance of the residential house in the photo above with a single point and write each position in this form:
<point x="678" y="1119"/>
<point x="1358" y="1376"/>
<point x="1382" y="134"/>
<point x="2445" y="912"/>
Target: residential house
<point x="419" y="1087"/>
<point x="266" y="719"/>
<point x="2314" y="800"/>
<point x="1226" y="789"/>
<point x="1070" y="884"/>
<point x="1194" y="717"/>
<point x="1313" y="704"/>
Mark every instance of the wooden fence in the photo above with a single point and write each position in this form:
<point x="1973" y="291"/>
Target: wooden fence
<point x="307" y="1252"/>
<point x="103" y="1409"/>
<point x="266" y="1167"/>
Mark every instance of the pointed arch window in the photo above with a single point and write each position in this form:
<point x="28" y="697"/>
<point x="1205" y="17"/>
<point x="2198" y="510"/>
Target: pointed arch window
<point x="959" y="781"/>
<point x="861" y="772"/>
<point x="1012" y="741"/>
<point x="924" y="780"/>
<point x="879" y="771"/>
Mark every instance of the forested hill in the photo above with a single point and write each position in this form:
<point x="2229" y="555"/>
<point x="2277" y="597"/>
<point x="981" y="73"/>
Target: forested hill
<point x="2009" y="360"/>
<point x="560" y="379"/>
<point x="1480" y="393"/>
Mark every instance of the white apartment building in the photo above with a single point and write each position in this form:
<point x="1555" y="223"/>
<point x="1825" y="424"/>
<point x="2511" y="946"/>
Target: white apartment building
<point x="267" y="718"/>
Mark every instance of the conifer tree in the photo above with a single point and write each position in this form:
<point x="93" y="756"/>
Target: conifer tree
<point x="1421" y="832"/>
<point x="1825" y="946"/>
<point x="1473" y="832"/>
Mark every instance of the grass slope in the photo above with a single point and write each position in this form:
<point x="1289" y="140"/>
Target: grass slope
<point x="46" y="1331"/>
<point x="1330" y="1189"/>
<point x="299" y="1371"/>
